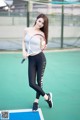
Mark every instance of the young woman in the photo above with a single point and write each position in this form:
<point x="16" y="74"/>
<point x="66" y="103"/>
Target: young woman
<point x="33" y="49"/>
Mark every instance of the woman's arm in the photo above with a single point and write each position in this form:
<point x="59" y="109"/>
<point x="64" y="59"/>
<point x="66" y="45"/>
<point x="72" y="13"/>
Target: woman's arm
<point x="43" y="44"/>
<point x="24" y="52"/>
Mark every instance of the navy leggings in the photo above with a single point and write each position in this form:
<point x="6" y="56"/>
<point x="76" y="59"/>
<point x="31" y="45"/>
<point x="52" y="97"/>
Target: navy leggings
<point x="36" y="67"/>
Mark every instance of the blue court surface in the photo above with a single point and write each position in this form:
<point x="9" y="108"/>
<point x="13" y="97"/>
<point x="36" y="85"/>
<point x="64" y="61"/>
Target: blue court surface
<point x="24" y="114"/>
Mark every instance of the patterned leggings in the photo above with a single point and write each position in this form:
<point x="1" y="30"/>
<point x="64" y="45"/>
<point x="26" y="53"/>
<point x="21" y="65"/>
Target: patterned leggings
<point x="36" y="67"/>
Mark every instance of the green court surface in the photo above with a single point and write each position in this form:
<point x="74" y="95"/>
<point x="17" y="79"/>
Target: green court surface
<point x="62" y="78"/>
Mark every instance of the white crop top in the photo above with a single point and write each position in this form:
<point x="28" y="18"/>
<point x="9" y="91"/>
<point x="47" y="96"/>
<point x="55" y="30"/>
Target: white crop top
<point x="33" y="44"/>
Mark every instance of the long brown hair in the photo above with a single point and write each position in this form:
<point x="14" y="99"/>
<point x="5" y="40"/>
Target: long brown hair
<point x="45" y="27"/>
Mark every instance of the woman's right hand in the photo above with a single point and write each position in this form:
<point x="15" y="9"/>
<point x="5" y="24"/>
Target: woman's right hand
<point x="25" y="54"/>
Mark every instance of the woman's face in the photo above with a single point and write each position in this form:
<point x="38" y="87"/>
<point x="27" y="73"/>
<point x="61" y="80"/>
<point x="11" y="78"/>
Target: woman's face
<point x="40" y="22"/>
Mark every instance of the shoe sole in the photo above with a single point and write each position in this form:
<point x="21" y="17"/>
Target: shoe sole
<point x="51" y="98"/>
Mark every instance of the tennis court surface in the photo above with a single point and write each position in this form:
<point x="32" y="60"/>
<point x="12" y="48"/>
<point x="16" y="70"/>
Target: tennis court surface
<point x="62" y="78"/>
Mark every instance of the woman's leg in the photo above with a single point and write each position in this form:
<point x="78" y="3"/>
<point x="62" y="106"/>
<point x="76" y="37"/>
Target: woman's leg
<point x="34" y="61"/>
<point x="32" y="75"/>
<point x="41" y="64"/>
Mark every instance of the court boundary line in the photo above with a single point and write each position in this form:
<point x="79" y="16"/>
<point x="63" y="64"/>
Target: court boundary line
<point x="45" y="51"/>
<point x="63" y="50"/>
<point x="24" y="110"/>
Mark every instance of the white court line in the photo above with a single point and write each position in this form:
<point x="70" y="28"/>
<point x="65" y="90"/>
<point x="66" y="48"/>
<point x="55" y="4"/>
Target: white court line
<point x="63" y="50"/>
<point x="24" y="110"/>
<point x="47" y="50"/>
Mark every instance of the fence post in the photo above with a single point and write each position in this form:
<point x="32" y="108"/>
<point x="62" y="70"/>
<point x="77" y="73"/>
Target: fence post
<point x="27" y="13"/>
<point x="62" y="26"/>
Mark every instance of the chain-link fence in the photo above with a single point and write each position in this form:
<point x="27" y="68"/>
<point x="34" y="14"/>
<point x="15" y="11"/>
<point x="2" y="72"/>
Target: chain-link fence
<point x="13" y="22"/>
